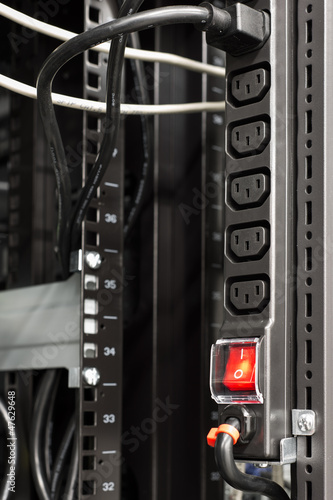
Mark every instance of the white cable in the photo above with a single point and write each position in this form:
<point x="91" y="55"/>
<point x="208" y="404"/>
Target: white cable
<point x="173" y="59"/>
<point x="100" y="107"/>
<point x="143" y="55"/>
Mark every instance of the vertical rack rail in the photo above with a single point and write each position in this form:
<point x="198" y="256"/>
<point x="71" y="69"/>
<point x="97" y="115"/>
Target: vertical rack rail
<point x="314" y="243"/>
<point x="101" y="307"/>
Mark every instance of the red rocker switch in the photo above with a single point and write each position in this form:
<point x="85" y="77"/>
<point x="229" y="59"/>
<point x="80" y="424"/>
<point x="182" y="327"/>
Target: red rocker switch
<point x="240" y="373"/>
<point x="234" y="370"/>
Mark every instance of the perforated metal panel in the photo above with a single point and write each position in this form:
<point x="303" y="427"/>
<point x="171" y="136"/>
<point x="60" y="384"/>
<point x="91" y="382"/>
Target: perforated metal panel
<point x="101" y="307"/>
<point x="314" y="240"/>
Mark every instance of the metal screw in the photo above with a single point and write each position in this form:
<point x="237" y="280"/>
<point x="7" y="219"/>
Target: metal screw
<point x="91" y="376"/>
<point x="263" y="465"/>
<point x="93" y="260"/>
<point x="305" y="423"/>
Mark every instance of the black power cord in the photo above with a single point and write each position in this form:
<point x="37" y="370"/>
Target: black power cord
<point x="112" y="120"/>
<point x="113" y="113"/>
<point x="144" y="184"/>
<point x="219" y="24"/>
<point x="48" y="427"/>
<point x="61" y="456"/>
<point x="130" y="7"/>
<point x="224" y="457"/>
<point x="72" y="474"/>
<point x="120" y="27"/>
<point x="37" y="444"/>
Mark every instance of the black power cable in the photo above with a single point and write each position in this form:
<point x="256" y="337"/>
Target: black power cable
<point x="142" y="97"/>
<point x="147" y="141"/>
<point x="72" y="474"/>
<point x="120" y="27"/>
<point x="37" y="444"/>
<point x="48" y="428"/>
<point x="61" y="456"/>
<point x="112" y="124"/>
<point x="112" y="118"/>
<point x="224" y="457"/>
<point x="220" y="24"/>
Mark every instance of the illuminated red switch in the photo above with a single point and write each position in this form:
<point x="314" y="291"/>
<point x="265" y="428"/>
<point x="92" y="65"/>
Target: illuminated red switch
<point x="240" y="373"/>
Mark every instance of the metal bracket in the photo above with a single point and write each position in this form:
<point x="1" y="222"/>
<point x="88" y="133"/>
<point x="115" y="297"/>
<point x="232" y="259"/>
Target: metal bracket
<point x="288" y="451"/>
<point x="75" y="263"/>
<point x="303" y="422"/>
<point x="74" y="377"/>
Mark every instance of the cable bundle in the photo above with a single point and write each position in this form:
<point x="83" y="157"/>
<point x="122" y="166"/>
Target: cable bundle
<point x="70" y="221"/>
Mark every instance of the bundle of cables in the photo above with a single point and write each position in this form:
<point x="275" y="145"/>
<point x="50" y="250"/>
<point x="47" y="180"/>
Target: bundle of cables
<point x="70" y="221"/>
<point x="77" y="45"/>
<point x="54" y="478"/>
<point x="218" y="23"/>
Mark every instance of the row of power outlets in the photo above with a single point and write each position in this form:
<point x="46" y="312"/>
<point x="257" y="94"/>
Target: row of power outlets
<point x="248" y="241"/>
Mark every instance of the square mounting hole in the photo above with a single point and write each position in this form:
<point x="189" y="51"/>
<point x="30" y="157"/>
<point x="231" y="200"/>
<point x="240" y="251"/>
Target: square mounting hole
<point x="93" y="122"/>
<point x="89" y="394"/>
<point x="91" y="282"/>
<point x="88" y="487"/>
<point x="89" y="418"/>
<point x="89" y="443"/>
<point x="92" y="238"/>
<point x="94" y="14"/>
<point x="90" y="326"/>
<point x="89" y="462"/>
<point x="93" y="57"/>
<point x="93" y="80"/>
<point x="90" y="306"/>
<point x="92" y="214"/>
<point x="89" y="350"/>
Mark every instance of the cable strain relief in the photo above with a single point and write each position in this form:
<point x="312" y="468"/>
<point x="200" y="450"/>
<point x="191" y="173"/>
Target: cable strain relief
<point x="218" y="22"/>
<point x="241" y="417"/>
<point x="234" y="422"/>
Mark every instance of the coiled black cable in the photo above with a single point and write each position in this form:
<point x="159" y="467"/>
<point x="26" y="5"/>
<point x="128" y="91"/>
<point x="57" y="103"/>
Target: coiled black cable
<point x="224" y="457"/>
<point x="71" y="48"/>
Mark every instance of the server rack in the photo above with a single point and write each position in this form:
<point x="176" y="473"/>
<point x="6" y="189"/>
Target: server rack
<point x="172" y="324"/>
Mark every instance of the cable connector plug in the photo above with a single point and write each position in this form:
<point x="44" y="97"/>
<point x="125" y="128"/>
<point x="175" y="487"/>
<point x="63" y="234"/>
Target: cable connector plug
<point x="237" y="29"/>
